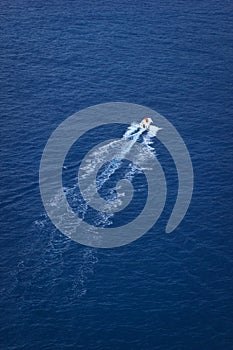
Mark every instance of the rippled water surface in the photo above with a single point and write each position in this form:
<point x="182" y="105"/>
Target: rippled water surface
<point x="163" y="291"/>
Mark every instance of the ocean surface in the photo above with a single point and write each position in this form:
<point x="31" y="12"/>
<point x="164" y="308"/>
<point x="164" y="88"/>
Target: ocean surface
<point x="162" y="291"/>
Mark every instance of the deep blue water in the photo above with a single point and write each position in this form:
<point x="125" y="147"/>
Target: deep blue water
<point x="163" y="291"/>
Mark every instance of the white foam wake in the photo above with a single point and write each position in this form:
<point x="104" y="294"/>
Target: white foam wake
<point x="103" y="218"/>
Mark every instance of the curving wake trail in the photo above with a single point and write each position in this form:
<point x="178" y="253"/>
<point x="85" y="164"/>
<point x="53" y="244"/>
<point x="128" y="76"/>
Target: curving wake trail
<point x="103" y="217"/>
